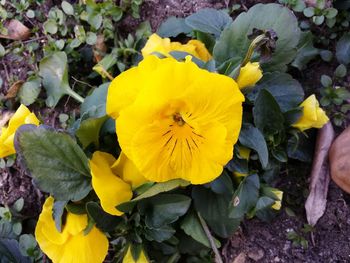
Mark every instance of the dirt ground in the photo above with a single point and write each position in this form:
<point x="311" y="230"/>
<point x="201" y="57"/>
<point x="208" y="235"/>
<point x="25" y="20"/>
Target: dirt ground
<point x="255" y="241"/>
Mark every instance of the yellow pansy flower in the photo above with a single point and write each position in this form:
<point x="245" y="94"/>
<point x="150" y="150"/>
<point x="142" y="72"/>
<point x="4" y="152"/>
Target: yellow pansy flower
<point x="279" y="195"/>
<point x="249" y="75"/>
<point x="313" y="116"/>
<point x="21" y="116"/>
<point x="128" y="258"/>
<point x="164" y="46"/>
<point x="175" y="120"/>
<point x="128" y="171"/>
<point x="110" y="188"/>
<point x="71" y="245"/>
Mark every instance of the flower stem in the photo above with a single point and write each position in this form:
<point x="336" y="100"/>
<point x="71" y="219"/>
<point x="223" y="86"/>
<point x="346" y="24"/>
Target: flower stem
<point x="252" y="47"/>
<point x="75" y="95"/>
<point x="218" y="258"/>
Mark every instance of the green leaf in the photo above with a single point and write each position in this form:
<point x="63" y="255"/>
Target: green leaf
<point x="55" y="161"/>
<point x="343" y="49"/>
<point x="103" y="220"/>
<point x="57" y="213"/>
<point x="326" y="55"/>
<point x="27" y="244"/>
<point x="159" y="234"/>
<point x="67" y="8"/>
<point x="318" y="20"/>
<point x="10" y="251"/>
<point x="91" y="38"/>
<point x="95" y="20"/>
<point x="331" y="13"/>
<point x="173" y="27"/>
<point x="287" y="91"/>
<point x="222" y="184"/>
<point x="164" y="209"/>
<point x="233" y="42"/>
<point x="326" y="81"/>
<point x="18" y="205"/>
<point x="268" y="117"/>
<point x="214" y="209"/>
<point x="2" y="51"/>
<point x="306" y="50"/>
<point x="50" y="26"/>
<point x="154" y="190"/>
<point x="30" y="90"/>
<point x="301" y="148"/>
<point x="340" y="71"/>
<point x="209" y="20"/>
<point x="252" y="138"/>
<point x="192" y="227"/>
<point x="245" y="197"/>
<point x="309" y="11"/>
<point x="95" y="104"/>
<point x="89" y="131"/>
<point x="54" y="71"/>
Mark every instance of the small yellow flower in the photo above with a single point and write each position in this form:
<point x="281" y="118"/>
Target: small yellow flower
<point x="128" y="171"/>
<point x="279" y="195"/>
<point x="164" y="46"/>
<point x="71" y="245"/>
<point x="21" y="116"/>
<point x="128" y="258"/>
<point x="313" y="116"/>
<point x="244" y="153"/>
<point x="109" y="187"/>
<point x="175" y="120"/>
<point x="249" y="75"/>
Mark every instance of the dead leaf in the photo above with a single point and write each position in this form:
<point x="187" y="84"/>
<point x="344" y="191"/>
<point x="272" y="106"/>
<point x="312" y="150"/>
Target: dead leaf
<point x="319" y="179"/>
<point x="339" y="156"/>
<point x="4" y="118"/>
<point x="16" y="30"/>
<point x="13" y="90"/>
<point x="99" y="49"/>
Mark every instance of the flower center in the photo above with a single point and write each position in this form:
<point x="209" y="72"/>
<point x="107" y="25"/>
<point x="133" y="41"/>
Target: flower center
<point x="178" y="119"/>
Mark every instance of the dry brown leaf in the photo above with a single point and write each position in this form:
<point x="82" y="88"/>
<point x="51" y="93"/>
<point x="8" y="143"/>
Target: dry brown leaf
<point x="241" y="258"/>
<point x="13" y="90"/>
<point x="319" y="179"/>
<point x="16" y="30"/>
<point x="339" y="158"/>
<point x="99" y="49"/>
<point x="4" y="118"/>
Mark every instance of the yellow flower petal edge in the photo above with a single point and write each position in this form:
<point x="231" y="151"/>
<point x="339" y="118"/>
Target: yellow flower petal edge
<point x="313" y="116"/>
<point x="71" y="245"/>
<point x="164" y="46"/>
<point x="244" y="153"/>
<point x="128" y="171"/>
<point x="249" y="75"/>
<point x="109" y="187"/>
<point x="181" y="123"/>
<point x="128" y="258"/>
<point x="21" y="116"/>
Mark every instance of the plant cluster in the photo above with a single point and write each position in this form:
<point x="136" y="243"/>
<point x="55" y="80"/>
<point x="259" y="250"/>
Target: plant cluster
<point x="203" y="130"/>
<point x="165" y="161"/>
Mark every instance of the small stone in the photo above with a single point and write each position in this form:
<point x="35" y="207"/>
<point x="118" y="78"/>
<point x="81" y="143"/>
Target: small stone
<point x="241" y="258"/>
<point x="256" y="255"/>
<point x="276" y="259"/>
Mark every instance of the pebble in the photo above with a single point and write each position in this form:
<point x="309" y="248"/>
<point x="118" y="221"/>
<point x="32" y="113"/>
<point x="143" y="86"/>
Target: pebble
<point x="256" y="255"/>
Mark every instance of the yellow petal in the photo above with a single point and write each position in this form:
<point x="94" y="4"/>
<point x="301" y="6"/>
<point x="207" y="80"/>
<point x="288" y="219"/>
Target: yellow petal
<point x="313" y="116"/>
<point x="183" y="123"/>
<point x="244" y="152"/>
<point x="71" y="245"/>
<point x="21" y="116"/>
<point x="127" y="85"/>
<point x="249" y="75"/>
<point x="128" y="258"/>
<point x="110" y="189"/>
<point x="128" y="171"/>
<point x="164" y="46"/>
